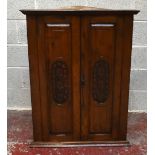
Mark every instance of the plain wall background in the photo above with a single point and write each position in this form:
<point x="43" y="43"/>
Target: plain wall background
<point x="18" y="68"/>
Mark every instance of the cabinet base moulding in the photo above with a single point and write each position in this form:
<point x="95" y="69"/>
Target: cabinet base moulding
<point x="80" y="144"/>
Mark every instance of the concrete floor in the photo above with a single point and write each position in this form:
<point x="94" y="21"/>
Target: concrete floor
<point x="20" y="135"/>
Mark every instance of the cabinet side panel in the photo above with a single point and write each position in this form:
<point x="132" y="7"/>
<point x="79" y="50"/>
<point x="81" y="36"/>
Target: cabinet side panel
<point x="34" y="77"/>
<point x="126" y="65"/>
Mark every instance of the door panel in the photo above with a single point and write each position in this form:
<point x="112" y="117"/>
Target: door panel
<point x="101" y="71"/>
<point x="59" y="68"/>
<point x="101" y="78"/>
<point x="60" y="58"/>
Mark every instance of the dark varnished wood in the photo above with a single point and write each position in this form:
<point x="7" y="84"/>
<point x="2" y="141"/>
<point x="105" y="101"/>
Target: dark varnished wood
<point x="126" y="64"/>
<point x="34" y="81"/>
<point x="77" y="10"/>
<point x="79" y="71"/>
<point x="80" y="144"/>
<point x="57" y="43"/>
<point x="100" y="121"/>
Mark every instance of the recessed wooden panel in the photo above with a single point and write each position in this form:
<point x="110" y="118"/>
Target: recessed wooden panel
<point x="102" y="40"/>
<point x="59" y="83"/>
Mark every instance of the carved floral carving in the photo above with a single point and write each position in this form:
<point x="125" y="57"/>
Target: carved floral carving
<point x="60" y="81"/>
<point x="100" y="81"/>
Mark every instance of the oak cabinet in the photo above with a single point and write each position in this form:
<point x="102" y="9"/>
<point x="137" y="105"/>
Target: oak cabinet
<point x="79" y="72"/>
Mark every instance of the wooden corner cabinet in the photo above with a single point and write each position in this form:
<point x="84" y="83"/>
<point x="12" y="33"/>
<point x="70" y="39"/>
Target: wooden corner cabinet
<point x="79" y="72"/>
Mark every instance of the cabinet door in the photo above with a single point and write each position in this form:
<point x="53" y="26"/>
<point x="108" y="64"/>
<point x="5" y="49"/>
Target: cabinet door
<point x="59" y="72"/>
<point x="101" y="77"/>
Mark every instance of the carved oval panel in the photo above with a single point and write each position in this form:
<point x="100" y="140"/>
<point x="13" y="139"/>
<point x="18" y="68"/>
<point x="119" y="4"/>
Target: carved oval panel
<point x="60" y="81"/>
<point x="100" y="82"/>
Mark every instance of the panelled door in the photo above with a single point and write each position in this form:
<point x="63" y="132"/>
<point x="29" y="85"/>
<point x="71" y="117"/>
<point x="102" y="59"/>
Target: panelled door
<point x="59" y="69"/>
<point x="80" y="76"/>
<point x="101" y="52"/>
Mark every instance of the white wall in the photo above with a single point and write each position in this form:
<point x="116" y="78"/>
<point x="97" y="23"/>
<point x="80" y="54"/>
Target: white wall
<point x="18" y="69"/>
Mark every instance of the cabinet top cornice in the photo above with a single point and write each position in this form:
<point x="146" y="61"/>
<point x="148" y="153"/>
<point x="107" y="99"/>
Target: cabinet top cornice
<point x="76" y="10"/>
